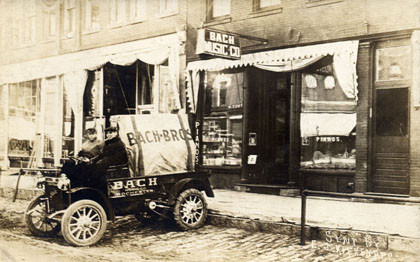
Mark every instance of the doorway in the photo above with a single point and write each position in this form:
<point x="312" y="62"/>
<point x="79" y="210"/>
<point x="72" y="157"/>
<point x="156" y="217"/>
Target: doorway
<point x="275" y="125"/>
<point x="391" y="141"/>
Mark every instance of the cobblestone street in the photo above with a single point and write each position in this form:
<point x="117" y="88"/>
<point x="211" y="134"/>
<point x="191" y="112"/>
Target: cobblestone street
<point x="128" y="240"/>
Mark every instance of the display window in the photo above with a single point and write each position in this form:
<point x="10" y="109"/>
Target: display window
<point x="68" y="127"/>
<point x="327" y="119"/>
<point x="222" y="122"/>
<point x="3" y="123"/>
<point x="24" y="107"/>
<point x="51" y="117"/>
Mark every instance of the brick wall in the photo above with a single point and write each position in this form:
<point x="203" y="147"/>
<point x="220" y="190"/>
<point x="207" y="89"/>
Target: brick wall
<point x="296" y="24"/>
<point x="415" y="120"/>
<point x="363" y="105"/>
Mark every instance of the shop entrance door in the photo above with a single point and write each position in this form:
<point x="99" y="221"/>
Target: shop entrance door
<point x="391" y="141"/>
<point x="277" y="102"/>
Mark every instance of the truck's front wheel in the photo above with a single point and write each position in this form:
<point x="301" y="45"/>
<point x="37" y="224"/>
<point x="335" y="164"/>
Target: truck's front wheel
<point x="83" y="223"/>
<point x="190" y="210"/>
<point x="37" y="221"/>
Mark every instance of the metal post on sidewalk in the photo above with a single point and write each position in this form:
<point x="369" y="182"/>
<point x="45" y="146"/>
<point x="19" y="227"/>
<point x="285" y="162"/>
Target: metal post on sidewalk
<point x="17" y="185"/>
<point x="302" y="218"/>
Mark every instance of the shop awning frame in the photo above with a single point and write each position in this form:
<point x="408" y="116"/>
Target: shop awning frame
<point x="276" y="56"/>
<point x="283" y="60"/>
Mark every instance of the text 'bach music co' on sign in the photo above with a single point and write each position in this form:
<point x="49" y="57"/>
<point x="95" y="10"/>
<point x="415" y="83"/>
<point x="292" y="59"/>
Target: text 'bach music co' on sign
<point x="218" y="44"/>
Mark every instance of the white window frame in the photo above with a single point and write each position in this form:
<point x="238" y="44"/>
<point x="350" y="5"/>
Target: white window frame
<point x="88" y="25"/>
<point x="138" y="10"/>
<point x="69" y="21"/>
<point x="118" y="10"/>
<point x="50" y="24"/>
<point x="168" y="7"/>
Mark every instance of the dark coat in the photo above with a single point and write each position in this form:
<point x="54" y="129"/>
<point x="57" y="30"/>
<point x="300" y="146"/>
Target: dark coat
<point x="113" y="153"/>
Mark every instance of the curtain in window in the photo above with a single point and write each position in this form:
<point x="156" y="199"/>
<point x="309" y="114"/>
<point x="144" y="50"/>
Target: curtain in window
<point x="173" y="63"/>
<point x="74" y="86"/>
<point x="344" y="65"/>
<point x="193" y="84"/>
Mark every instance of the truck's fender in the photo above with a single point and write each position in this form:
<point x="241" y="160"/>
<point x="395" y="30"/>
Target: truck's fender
<point x="93" y="194"/>
<point x="189" y="183"/>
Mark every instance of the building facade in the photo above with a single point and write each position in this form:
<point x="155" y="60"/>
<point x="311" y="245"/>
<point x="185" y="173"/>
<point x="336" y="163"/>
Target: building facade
<point x="324" y="95"/>
<point x="69" y="65"/>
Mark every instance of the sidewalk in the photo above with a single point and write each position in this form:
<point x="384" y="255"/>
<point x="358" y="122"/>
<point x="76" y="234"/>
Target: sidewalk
<point x="396" y="219"/>
<point x="394" y="226"/>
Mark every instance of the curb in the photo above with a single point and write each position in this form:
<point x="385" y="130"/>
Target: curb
<point x="343" y="238"/>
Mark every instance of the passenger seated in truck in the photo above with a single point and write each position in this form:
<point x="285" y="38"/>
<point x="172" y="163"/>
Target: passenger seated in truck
<point x="78" y="169"/>
<point x="93" y="146"/>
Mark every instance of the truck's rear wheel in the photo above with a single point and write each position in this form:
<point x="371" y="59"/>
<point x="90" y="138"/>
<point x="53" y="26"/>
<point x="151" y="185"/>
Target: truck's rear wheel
<point x="37" y="221"/>
<point x="190" y="210"/>
<point x="84" y="223"/>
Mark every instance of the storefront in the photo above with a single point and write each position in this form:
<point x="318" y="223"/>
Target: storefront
<point x="47" y="103"/>
<point x="278" y="117"/>
<point x="339" y="116"/>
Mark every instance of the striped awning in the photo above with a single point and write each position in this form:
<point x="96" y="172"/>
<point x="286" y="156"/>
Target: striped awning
<point x="276" y="56"/>
<point x="283" y="60"/>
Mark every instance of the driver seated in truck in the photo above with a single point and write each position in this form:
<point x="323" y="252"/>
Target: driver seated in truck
<point x="114" y="153"/>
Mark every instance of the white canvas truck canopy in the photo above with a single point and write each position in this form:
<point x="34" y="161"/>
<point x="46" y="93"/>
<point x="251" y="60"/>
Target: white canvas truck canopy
<point x="158" y="144"/>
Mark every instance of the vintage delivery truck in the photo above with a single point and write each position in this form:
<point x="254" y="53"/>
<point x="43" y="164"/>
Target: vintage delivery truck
<point x="159" y="179"/>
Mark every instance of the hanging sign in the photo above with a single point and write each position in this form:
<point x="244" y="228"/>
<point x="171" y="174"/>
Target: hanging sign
<point x="217" y="43"/>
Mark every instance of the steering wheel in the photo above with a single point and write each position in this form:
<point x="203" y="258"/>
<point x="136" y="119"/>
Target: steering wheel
<point x="79" y="160"/>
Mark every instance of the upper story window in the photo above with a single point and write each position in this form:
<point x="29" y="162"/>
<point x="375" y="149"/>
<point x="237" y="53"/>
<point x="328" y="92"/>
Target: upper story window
<point x="50" y="24"/>
<point x="118" y="11"/>
<point x="30" y="22"/>
<point x="261" y="4"/>
<point x="168" y="7"/>
<point x="91" y="19"/>
<point x="138" y="9"/>
<point x="69" y="17"/>
<point x="219" y="8"/>
<point x="50" y="18"/>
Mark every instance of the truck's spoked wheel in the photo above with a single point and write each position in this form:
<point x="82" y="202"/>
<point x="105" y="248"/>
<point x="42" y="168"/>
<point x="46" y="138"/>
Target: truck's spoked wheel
<point x="190" y="210"/>
<point x="36" y="218"/>
<point x="84" y="223"/>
